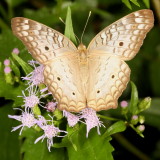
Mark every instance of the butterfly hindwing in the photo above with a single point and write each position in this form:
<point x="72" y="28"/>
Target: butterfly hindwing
<point x="108" y="78"/>
<point x="63" y="80"/>
<point x="123" y="37"/>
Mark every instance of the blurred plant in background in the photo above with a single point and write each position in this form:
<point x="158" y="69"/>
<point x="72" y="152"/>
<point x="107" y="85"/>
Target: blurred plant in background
<point x="129" y="117"/>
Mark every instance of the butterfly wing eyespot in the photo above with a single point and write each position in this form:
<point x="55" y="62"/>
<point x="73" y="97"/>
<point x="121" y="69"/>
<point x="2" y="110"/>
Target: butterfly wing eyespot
<point x="121" y="43"/>
<point x="98" y="91"/>
<point x="113" y="76"/>
<point x="46" y="48"/>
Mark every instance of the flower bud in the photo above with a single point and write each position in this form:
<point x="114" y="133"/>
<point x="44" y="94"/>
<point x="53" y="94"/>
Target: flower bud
<point x="124" y="107"/>
<point x="7" y="70"/>
<point x="141" y="119"/>
<point x="123" y="104"/>
<point x="8" y="75"/>
<point x="6" y="62"/>
<point x="134" y="119"/>
<point x="141" y="128"/>
<point x="51" y="106"/>
<point x="15" y="51"/>
<point x="144" y="104"/>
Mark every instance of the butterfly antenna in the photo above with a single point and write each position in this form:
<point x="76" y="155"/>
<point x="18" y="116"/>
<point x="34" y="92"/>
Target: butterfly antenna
<point x="65" y="24"/>
<point x="85" y="25"/>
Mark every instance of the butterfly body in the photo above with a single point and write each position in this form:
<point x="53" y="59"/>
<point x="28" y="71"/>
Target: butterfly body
<point x="83" y="65"/>
<point x="81" y="77"/>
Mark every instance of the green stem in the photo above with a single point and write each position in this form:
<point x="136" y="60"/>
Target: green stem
<point x="130" y="147"/>
<point x="108" y="118"/>
<point x="132" y="126"/>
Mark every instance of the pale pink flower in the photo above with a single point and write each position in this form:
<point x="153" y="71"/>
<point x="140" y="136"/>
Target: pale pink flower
<point x="50" y="131"/>
<point x="7" y="70"/>
<point x="71" y="118"/>
<point x="32" y="99"/>
<point x="91" y="119"/>
<point x="45" y="90"/>
<point x="141" y="128"/>
<point x="41" y="121"/>
<point x="36" y="76"/>
<point x="51" y="106"/>
<point x="26" y="118"/>
<point x="123" y="104"/>
<point x="6" y="62"/>
<point x="15" y="51"/>
<point x="134" y="117"/>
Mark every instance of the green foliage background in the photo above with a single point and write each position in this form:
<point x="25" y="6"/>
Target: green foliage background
<point x="145" y="74"/>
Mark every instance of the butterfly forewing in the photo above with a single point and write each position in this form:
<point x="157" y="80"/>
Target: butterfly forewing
<point x="123" y="37"/>
<point x="43" y="42"/>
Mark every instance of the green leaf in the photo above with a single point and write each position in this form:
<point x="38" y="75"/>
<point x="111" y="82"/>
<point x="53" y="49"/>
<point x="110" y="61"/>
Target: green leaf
<point x="134" y="99"/>
<point x="10" y="91"/>
<point x="14" y="68"/>
<point x="119" y="126"/>
<point x="26" y="67"/>
<point x="152" y="115"/>
<point x="39" y="150"/>
<point x="9" y="143"/>
<point x="36" y="110"/>
<point x="3" y="25"/>
<point x="3" y="12"/>
<point x="69" y="28"/>
<point x="103" y="13"/>
<point x="8" y="42"/>
<point x="93" y="147"/>
<point x="44" y="15"/>
<point x="68" y="141"/>
<point x="14" y="3"/>
<point x="155" y="76"/>
<point x="135" y="2"/>
<point x="127" y="3"/>
<point x="147" y="3"/>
